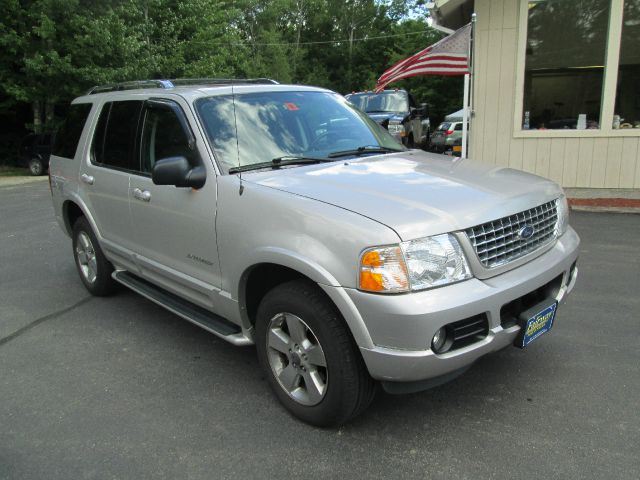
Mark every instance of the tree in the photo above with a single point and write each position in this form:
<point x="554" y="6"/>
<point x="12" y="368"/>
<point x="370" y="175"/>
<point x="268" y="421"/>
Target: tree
<point x="57" y="48"/>
<point x="53" y="50"/>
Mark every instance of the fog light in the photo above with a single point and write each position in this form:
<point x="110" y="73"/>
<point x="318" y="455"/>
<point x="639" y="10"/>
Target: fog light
<point x="439" y="340"/>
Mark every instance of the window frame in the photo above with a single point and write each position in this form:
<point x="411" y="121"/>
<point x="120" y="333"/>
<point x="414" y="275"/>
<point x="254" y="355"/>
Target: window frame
<point x="171" y="106"/>
<point x="610" y="81"/>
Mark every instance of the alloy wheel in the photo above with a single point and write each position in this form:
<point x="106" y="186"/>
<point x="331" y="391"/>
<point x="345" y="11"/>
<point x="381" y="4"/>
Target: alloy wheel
<point x="86" y="255"/>
<point x="296" y="359"/>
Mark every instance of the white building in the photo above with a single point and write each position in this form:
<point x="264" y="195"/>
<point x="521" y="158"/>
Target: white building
<point x="556" y="88"/>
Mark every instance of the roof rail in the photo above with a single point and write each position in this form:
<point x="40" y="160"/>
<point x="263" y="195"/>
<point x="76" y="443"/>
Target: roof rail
<point x="222" y="81"/>
<point x="166" y="84"/>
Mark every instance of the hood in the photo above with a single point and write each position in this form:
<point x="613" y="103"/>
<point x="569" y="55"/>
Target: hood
<point x="415" y="193"/>
<point x="386" y="117"/>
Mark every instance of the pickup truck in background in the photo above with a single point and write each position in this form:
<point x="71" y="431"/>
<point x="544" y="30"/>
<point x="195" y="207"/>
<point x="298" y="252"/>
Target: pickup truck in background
<point x="397" y="111"/>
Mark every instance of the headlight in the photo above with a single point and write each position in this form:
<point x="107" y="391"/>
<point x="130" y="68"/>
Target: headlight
<point x="396" y="128"/>
<point x="562" y="209"/>
<point x="435" y="261"/>
<point x="415" y="265"/>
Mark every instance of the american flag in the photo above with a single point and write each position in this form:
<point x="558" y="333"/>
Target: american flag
<point x="449" y="56"/>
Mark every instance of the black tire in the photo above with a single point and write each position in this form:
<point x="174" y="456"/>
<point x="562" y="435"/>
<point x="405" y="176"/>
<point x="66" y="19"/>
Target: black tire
<point x="349" y="388"/>
<point x="36" y="168"/>
<point x="100" y="283"/>
<point x="410" y="143"/>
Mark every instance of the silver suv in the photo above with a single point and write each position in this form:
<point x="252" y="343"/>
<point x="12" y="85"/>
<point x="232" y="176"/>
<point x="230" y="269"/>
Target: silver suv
<point x="282" y="216"/>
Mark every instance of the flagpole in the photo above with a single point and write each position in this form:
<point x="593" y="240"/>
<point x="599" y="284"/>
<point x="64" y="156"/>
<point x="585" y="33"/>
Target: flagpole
<point x="468" y="92"/>
<point x="465" y="116"/>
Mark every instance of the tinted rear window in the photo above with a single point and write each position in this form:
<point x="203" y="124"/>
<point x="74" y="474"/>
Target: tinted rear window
<point x="114" y="139"/>
<point x="68" y="135"/>
<point x="443" y="126"/>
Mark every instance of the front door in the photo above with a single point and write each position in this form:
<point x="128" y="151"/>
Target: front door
<point x="175" y="228"/>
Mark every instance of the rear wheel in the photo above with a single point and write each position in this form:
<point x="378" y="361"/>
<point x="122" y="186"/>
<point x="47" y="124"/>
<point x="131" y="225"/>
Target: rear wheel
<point x="312" y="363"/>
<point x="36" y="167"/>
<point x="94" y="269"/>
<point x="410" y="142"/>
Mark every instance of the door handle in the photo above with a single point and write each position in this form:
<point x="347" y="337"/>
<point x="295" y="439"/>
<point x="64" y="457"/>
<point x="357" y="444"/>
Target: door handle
<point x="143" y="195"/>
<point x="88" y="179"/>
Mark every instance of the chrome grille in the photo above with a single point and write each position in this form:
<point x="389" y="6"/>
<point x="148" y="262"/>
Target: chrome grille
<point x="499" y="242"/>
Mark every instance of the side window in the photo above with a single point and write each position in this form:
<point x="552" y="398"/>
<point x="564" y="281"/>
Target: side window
<point x="459" y="127"/>
<point x="162" y="137"/>
<point x="115" y="136"/>
<point x="68" y="135"/>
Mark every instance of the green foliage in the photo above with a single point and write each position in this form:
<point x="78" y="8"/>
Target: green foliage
<point x="53" y="50"/>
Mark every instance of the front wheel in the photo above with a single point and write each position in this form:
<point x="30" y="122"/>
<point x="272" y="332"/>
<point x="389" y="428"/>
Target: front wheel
<point x="311" y="361"/>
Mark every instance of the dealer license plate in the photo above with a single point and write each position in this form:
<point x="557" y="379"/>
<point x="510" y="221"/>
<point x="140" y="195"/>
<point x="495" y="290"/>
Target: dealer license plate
<point x="535" y="322"/>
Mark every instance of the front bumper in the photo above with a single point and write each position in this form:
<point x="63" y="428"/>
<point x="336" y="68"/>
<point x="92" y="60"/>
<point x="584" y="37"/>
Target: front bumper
<point x="401" y="326"/>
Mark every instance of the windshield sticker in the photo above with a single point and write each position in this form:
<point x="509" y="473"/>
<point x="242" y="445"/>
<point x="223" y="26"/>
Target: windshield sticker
<point x="291" y="106"/>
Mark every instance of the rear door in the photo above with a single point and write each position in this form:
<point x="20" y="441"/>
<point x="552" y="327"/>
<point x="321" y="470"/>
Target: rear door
<point x="175" y="227"/>
<point x="104" y="177"/>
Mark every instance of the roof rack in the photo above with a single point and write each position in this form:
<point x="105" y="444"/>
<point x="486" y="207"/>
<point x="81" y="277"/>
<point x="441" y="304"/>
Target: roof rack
<point x="166" y="84"/>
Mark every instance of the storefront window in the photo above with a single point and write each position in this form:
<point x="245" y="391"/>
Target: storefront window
<point x="627" y="107"/>
<point x="564" y="66"/>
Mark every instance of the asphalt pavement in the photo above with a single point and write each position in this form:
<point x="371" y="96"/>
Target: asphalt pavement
<point x="118" y="388"/>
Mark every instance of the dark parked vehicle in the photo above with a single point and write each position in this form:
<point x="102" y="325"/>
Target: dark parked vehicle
<point x="397" y="111"/>
<point x="34" y="152"/>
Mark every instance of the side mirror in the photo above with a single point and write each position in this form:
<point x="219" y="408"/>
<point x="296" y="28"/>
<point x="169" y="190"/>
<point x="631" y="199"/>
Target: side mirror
<point x="179" y="172"/>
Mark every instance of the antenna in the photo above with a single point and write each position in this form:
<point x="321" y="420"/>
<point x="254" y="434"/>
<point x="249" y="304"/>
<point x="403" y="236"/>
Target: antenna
<point x="235" y="123"/>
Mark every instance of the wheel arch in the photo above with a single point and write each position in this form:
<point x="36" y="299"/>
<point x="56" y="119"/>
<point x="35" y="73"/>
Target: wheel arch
<point x="259" y="278"/>
<point x="72" y="209"/>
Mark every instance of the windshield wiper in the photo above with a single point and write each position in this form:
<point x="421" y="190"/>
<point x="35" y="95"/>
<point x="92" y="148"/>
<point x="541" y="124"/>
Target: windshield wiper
<point x="362" y="150"/>
<point x="279" y="162"/>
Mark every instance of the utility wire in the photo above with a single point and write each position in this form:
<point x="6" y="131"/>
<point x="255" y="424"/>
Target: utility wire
<point x="319" y="42"/>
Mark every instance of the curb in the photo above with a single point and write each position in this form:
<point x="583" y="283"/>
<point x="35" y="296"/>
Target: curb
<point x="13" y="181"/>
<point x="615" y="205"/>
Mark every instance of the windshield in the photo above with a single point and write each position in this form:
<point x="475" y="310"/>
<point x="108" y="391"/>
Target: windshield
<point x="271" y="125"/>
<point x="380" y="102"/>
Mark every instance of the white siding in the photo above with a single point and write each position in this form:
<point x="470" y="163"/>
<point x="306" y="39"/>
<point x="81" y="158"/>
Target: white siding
<point x="587" y="160"/>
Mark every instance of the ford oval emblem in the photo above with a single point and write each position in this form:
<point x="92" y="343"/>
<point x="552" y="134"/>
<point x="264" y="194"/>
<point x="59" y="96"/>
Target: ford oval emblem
<point x="526" y="232"/>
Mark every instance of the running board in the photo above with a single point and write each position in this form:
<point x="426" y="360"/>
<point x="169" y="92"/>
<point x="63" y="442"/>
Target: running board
<point x="211" y="322"/>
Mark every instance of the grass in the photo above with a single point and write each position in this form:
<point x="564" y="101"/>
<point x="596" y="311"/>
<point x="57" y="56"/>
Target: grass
<point x="11" y="171"/>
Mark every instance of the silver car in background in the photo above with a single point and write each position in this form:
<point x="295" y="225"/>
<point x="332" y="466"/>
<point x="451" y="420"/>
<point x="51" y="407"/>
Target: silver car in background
<point x="446" y="137"/>
<point x="281" y="216"/>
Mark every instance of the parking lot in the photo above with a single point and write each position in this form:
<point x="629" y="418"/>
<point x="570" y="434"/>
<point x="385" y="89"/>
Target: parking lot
<point x="120" y="388"/>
